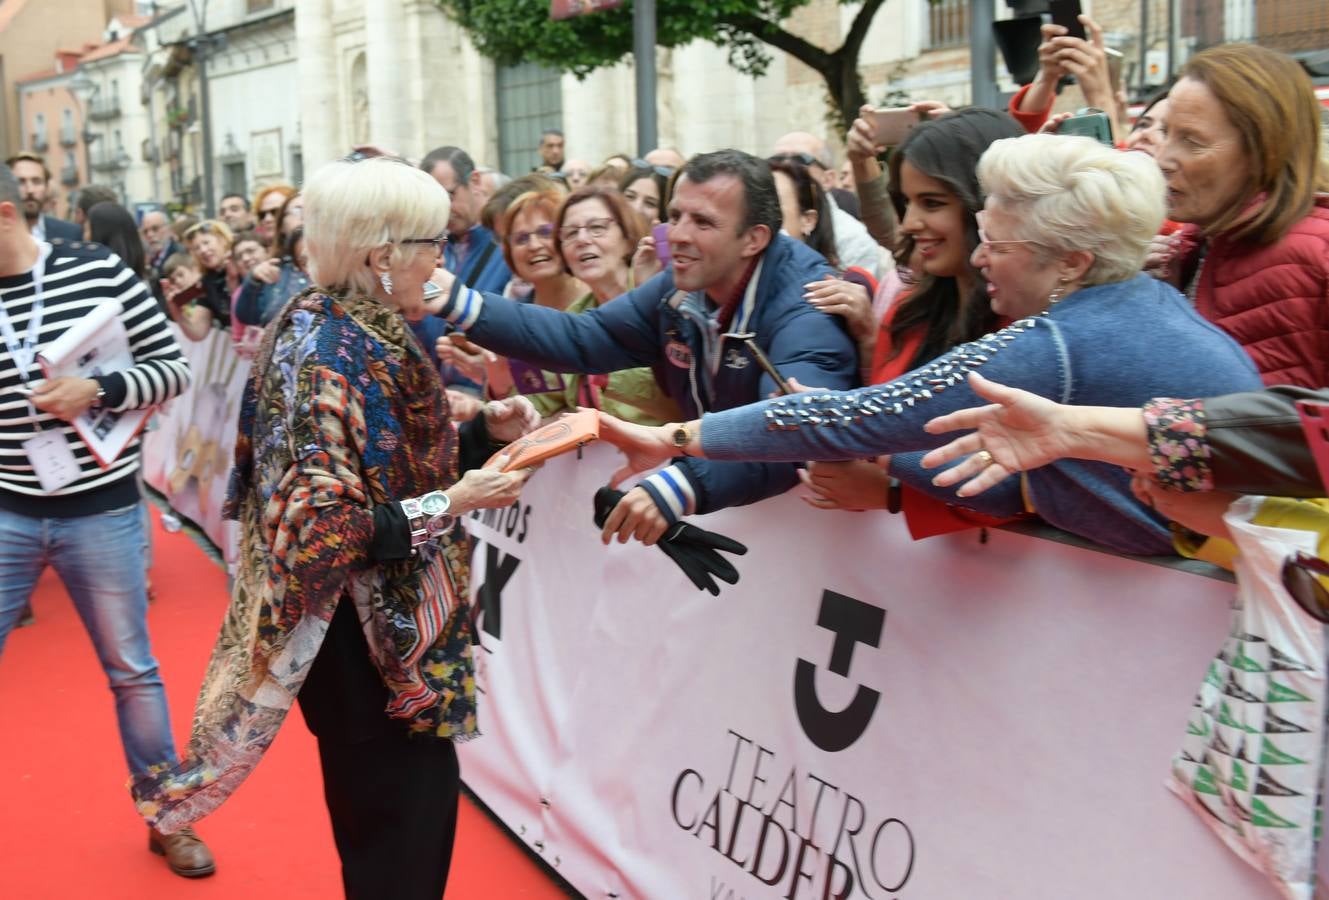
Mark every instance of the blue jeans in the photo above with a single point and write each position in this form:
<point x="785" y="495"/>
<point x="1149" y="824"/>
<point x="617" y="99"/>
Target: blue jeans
<point x="100" y="560"/>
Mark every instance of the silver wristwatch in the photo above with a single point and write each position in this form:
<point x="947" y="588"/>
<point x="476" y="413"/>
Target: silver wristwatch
<point x="427" y="516"/>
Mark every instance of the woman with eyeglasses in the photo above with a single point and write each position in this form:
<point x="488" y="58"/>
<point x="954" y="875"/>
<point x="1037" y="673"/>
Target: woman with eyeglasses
<point x="526" y="227"/>
<point x="268" y="203"/>
<point x="1065" y="228"/>
<point x="351" y="587"/>
<point x="595" y="236"/>
<point x="591" y="241"/>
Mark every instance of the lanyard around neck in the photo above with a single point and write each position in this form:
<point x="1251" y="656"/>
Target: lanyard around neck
<point x="24" y="353"/>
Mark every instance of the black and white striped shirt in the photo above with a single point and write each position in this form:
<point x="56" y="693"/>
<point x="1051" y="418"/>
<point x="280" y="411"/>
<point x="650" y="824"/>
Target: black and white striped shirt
<point x="79" y="276"/>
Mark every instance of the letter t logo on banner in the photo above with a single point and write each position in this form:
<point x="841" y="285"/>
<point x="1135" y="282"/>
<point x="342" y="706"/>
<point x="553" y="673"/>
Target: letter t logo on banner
<point x="853" y="622"/>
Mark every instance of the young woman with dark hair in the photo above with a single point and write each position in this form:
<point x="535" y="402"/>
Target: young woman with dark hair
<point x="803" y="206"/>
<point x="934" y="188"/>
<point x="113" y="226"/>
<point x="935" y="192"/>
<point x="647" y="191"/>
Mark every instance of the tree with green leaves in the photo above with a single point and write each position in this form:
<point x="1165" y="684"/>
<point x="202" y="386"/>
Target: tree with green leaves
<point x="516" y="31"/>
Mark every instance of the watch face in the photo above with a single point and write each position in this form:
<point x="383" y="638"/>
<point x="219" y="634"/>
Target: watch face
<point x="434" y="503"/>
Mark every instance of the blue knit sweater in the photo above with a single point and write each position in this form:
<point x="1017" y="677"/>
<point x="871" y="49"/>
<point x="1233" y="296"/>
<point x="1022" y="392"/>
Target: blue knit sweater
<point x="1117" y="344"/>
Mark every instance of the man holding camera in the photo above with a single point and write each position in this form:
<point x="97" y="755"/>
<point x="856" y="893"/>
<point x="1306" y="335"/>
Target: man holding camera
<point x="58" y="506"/>
<point x="734" y="283"/>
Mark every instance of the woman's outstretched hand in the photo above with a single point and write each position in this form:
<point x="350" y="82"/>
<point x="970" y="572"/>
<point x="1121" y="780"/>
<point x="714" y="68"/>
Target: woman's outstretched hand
<point x="645" y="448"/>
<point x="1018" y="430"/>
<point x="488" y="487"/>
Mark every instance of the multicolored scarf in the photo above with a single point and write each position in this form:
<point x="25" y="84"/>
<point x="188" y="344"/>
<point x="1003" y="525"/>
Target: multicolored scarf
<point x="343" y="411"/>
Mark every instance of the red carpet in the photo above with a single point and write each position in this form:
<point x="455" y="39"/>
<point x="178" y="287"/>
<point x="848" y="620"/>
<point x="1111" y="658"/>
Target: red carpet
<point x="67" y="827"/>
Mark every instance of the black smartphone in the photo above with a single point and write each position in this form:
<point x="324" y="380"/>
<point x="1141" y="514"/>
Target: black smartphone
<point x="1066" y="13"/>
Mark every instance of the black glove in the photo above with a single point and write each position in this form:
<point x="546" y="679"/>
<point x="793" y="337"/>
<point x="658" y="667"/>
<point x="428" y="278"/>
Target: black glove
<point x="694" y="550"/>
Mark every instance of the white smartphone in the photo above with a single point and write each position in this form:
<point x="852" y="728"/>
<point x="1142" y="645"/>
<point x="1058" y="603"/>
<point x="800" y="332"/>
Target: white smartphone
<point x="891" y="126"/>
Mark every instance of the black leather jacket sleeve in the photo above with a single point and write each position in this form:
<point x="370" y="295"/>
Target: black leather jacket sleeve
<point x="1257" y="444"/>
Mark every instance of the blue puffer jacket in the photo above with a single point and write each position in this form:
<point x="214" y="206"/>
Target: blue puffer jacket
<point x="659" y="326"/>
<point x="1117" y="344"/>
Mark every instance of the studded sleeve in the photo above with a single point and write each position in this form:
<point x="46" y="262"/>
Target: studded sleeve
<point x="889" y="418"/>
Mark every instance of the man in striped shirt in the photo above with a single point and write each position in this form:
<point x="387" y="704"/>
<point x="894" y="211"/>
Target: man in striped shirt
<point x="58" y="506"/>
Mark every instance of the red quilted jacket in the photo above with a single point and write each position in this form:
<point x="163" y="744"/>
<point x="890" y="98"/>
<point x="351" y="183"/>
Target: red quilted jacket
<point x="1273" y="300"/>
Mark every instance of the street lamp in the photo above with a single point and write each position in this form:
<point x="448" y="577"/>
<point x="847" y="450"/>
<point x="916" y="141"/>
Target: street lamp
<point x="84" y="89"/>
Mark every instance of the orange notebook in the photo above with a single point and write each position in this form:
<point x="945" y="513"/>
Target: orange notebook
<point x="570" y="432"/>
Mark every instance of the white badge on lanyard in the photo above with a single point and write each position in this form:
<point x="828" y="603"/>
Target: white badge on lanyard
<point x="48" y="452"/>
<point x="52" y="459"/>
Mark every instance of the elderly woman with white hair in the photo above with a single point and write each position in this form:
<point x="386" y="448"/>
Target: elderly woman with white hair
<point x="351" y="589"/>
<point x="1064" y="232"/>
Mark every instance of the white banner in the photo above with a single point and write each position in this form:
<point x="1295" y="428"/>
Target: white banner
<point x="187" y="456"/>
<point x="861" y="716"/>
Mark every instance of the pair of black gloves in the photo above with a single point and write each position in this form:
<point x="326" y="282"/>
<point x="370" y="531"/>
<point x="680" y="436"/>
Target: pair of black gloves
<point x="694" y="550"/>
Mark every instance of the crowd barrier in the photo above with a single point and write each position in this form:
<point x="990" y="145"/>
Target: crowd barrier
<point x="187" y="454"/>
<point x="862" y="716"/>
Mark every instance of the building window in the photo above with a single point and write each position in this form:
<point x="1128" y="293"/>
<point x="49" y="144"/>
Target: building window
<point x="948" y="23"/>
<point x="233" y="178"/>
<point x="530" y="99"/>
<point x="39" y="136"/>
<point x="1239" y="20"/>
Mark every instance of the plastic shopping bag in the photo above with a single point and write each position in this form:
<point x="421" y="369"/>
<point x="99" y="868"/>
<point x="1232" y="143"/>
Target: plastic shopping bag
<point x="1252" y="762"/>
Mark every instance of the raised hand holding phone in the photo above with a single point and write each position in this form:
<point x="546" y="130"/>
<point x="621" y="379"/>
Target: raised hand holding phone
<point x="891" y="126"/>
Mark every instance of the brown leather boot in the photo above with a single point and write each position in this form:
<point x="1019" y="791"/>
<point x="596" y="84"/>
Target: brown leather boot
<point x="185" y="852"/>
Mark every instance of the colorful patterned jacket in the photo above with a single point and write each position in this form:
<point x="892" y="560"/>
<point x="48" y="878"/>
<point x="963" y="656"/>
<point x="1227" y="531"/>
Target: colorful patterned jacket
<point x="343" y="412"/>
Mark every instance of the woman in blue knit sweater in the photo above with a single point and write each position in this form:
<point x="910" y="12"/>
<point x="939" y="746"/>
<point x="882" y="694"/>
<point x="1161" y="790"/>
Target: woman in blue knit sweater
<point x="1063" y="236"/>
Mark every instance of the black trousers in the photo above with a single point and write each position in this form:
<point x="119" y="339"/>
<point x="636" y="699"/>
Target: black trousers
<point x="392" y="797"/>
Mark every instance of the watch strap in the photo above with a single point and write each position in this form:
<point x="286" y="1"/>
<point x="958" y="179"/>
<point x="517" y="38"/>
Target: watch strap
<point x="415" y="520"/>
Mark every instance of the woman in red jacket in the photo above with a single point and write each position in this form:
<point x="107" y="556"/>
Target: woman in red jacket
<point x="1243" y="167"/>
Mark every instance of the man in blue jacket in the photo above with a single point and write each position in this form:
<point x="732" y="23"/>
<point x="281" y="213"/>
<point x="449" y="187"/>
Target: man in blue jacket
<point x="472" y="253"/>
<point x="732" y="275"/>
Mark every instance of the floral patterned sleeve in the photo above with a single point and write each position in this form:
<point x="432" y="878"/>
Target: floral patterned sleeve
<point x="1178" y="447"/>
